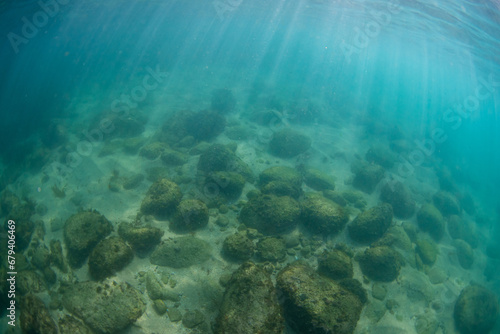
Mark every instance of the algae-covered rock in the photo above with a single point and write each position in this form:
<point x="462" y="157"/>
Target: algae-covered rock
<point x="270" y="214"/>
<point x="158" y="290"/>
<point x="280" y="188"/>
<point x="57" y="256"/>
<point x="193" y="319"/>
<point x="181" y="252"/>
<point x="109" y="256"/>
<point x="398" y="195"/>
<point x="238" y="247"/>
<point x="191" y="214"/>
<point x="476" y="310"/>
<point x="395" y="237"/>
<point x="381" y="156"/>
<point x="335" y="264"/>
<point x="335" y="196"/>
<point x="153" y="150"/>
<point x="161" y="199"/>
<point x="380" y="263"/>
<point x="219" y="158"/>
<point x="71" y="325"/>
<point x="367" y="176"/>
<point x="21" y="214"/>
<point x="320" y="215"/>
<point x="173" y="158"/>
<point x="427" y="251"/>
<point x="447" y="203"/>
<point x="316" y="304"/>
<point x="288" y="143"/>
<point x="318" y="180"/>
<point x="224" y="185"/>
<point x="250" y="304"/>
<point x="271" y="249"/>
<point x="82" y="231"/>
<point x="371" y="224"/>
<point x="431" y="221"/>
<point x="205" y="125"/>
<point x="104" y="307"/>
<point x="35" y="317"/>
<point x="281" y="174"/>
<point x="465" y="254"/>
<point x="141" y="237"/>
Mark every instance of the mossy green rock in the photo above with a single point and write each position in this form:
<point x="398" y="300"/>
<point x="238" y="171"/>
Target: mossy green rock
<point x="181" y="252"/>
<point x="465" y="254"/>
<point x="280" y="188"/>
<point x="250" y="304"/>
<point x="431" y="221"/>
<point x="219" y="158"/>
<point x="281" y="174"/>
<point x="380" y="263"/>
<point x="427" y="250"/>
<point x="316" y="304"/>
<point x="161" y="199"/>
<point x="105" y="308"/>
<point x="476" y="310"/>
<point x="82" y="231"/>
<point x="224" y="185"/>
<point x="173" y="158"/>
<point x="322" y="216"/>
<point x="399" y="197"/>
<point x="447" y="203"/>
<point x="153" y="150"/>
<point x="271" y="249"/>
<point x="371" y="224"/>
<point x="191" y="215"/>
<point x="270" y="214"/>
<point x="335" y="264"/>
<point x="141" y="237"/>
<point x="109" y="256"/>
<point x="71" y="325"/>
<point x="288" y="143"/>
<point x="35" y="317"/>
<point x="238" y="247"/>
<point x="367" y="176"/>
<point x="318" y="180"/>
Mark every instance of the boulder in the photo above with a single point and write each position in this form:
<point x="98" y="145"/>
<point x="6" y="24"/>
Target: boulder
<point x="476" y="310"/>
<point x="371" y="224"/>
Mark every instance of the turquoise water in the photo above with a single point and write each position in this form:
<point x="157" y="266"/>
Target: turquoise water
<point x="419" y="80"/>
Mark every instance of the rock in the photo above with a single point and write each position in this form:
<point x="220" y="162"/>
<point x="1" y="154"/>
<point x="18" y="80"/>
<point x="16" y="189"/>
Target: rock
<point x="380" y="263"/>
<point x="335" y="264"/>
<point x="193" y="318"/>
<point x="446" y="203"/>
<point x="159" y="291"/>
<point x="41" y="257"/>
<point x="173" y="158"/>
<point x="105" y="308"/>
<point x="238" y="247"/>
<point x="219" y="158"/>
<point x="318" y="180"/>
<point x="427" y="251"/>
<point x="159" y="306"/>
<point x="191" y="215"/>
<point x="371" y="224"/>
<point x="367" y="176"/>
<point x="399" y="197"/>
<point x="181" y="252"/>
<point x="56" y="255"/>
<point x="395" y="237"/>
<point x="431" y="221"/>
<point x="322" y="216"/>
<point x="226" y="186"/>
<point x="153" y="150"/>
<point x="71" y="325"/>
<point x="279" y="188"/>
<point x="355" y="287"/>
<point x="465" y="254"/>
<point x="288" y="143"/>
<point x="21" y="214"/>
<point x="316" y="304"/>
<point x="82" y="231"/>
<point x="161" y="199"/>
<point x="379" y="291"/>
<point x="109" y="256"/>
<point x="250" y="304"/>
<point x="133" y="181"/>
<point x="35" y="317"/>
<point x="271" y="249"/>
<point x="142" y="238"/>
<point x="270" y="214"/>
<point x="381" y="156"/>
<point x="223" y="101"/>
<point x="355" y="198"/>
<point x="281" y="174"/>
<point x="205" y="125"/>
<point x="459" y="228"/>
<point x="174" y="314"/>
<point x="437" y="275"/>
<point x="335" y="196"/>
<point x="476" y="310"/>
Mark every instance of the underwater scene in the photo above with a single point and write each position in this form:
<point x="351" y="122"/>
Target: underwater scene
<point x="250" y="167"/>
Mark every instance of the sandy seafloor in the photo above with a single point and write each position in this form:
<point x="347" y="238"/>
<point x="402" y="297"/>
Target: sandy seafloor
<point x="87" y="186"/>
